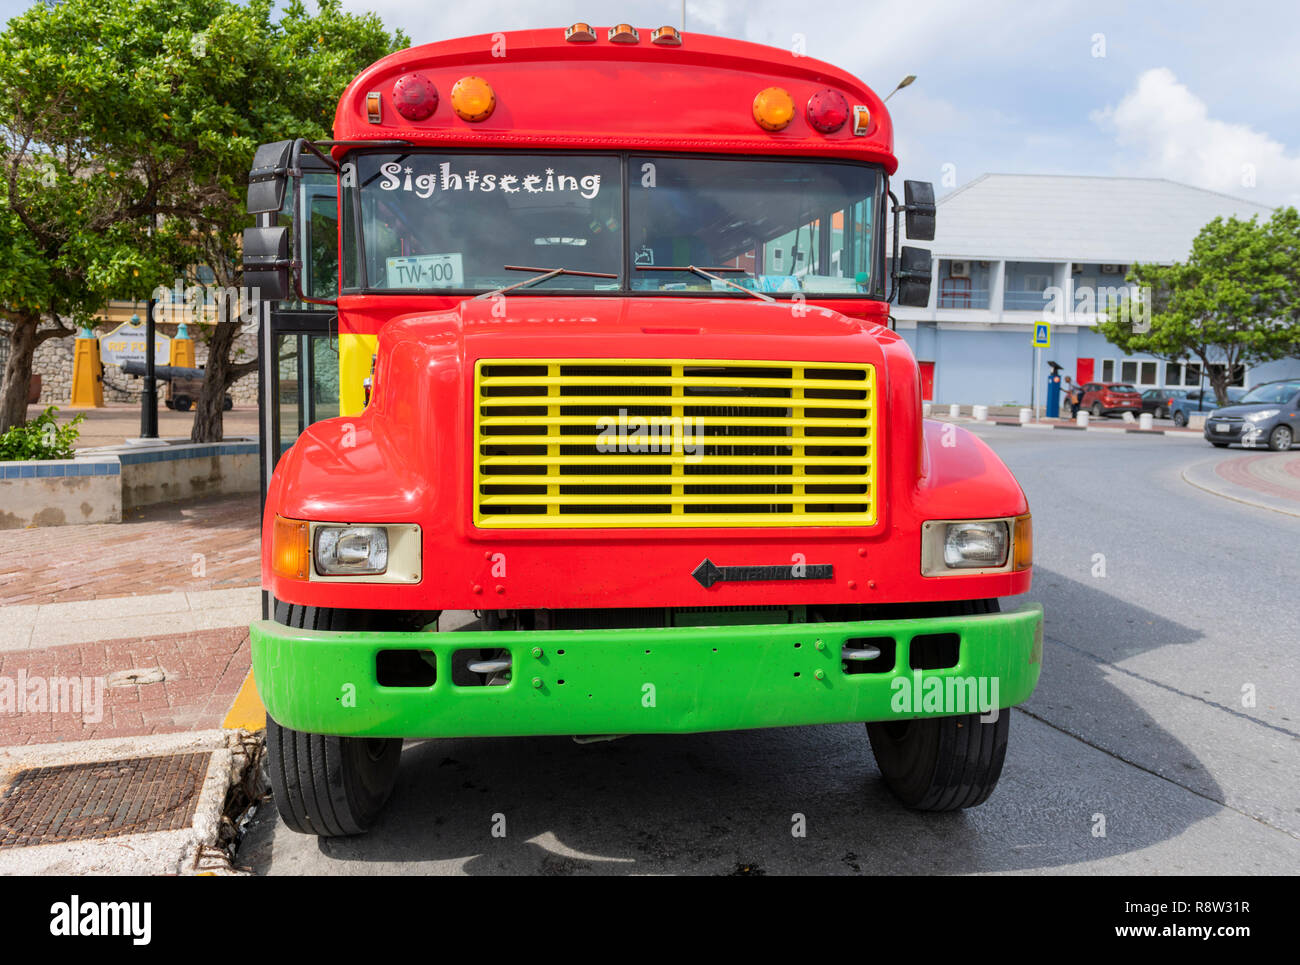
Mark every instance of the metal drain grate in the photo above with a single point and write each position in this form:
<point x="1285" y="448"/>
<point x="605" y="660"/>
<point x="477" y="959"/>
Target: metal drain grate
<point x="73" y="802"/>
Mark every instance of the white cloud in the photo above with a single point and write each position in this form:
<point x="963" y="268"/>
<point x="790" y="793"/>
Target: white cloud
<point x="1165" y="130"/>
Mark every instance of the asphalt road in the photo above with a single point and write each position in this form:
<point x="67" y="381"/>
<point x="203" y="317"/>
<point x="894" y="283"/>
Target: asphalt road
<point x="1165" y="606"/>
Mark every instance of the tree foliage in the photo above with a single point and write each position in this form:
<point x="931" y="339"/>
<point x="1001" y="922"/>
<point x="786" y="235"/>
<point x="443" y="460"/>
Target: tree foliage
<point x="127" y="129"/>
<point x="1235" y="300"/>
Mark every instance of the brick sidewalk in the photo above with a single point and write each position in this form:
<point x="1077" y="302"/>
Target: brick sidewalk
<point x="169" y="593"/>
<point x="151" y="552"/>
<point x="1272" y="474"/>
<point x="202" y="673"/>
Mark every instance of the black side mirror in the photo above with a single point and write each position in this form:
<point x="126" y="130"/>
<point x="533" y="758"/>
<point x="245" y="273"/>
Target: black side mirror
<point x="269" y="177"/>
<point x="914" y="277"/>
<point x="267" y="262"/>
<point x="918" y="202"/>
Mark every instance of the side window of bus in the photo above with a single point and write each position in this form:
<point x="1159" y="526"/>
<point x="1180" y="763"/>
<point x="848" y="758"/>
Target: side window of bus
<point x="320" y="242"/>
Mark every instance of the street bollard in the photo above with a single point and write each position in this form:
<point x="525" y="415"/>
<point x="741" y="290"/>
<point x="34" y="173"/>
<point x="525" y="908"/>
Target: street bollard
<point x="954" y="411"/>
<point x="980" y="412"/>
<point x="1026" y="416"/>
<point x="1146" y="421"/>
<point x="1128" y="417"/>
<point x="1081" y="419"/>
<point x="925" y="409"/>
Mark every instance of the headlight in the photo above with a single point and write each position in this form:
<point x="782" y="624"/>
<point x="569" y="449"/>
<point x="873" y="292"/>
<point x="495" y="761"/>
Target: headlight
<point x="950" y="547"/>
<point x="1262" y="416"/>
<point x="975" y="545"/>
<point x="341" y="550"/>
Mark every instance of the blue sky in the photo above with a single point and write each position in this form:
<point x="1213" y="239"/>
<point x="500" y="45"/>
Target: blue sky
<point x="1203" y="93"/>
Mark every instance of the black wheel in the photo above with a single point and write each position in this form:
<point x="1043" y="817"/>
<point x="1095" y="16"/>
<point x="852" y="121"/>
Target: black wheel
<point x="1159" y="413"/>
<point x="323" y="785"/>
<point x="228" y="404"/>
<point x="1096" y="410"/>
<point x="1219" y="445"/>
<point x="943" y="763"/>
<point x="329" y="786"/>
<point x="1180" y="418"/>
<point x="1280" y="439"/>
<point x="182" y="403"/>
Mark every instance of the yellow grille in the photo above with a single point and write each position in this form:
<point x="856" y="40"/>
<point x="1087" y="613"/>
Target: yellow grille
<point x="612" y="443"/>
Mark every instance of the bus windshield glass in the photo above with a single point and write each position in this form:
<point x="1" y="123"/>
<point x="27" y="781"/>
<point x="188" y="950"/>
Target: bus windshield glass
<point x="448" y="222"/>
<point x="790" y="226"/>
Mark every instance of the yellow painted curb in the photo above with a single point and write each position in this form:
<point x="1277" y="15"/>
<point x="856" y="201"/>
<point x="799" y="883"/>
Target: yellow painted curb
<point x="247" y="712"/>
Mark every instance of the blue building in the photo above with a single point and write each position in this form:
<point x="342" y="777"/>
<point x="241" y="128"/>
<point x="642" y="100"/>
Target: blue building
<point x="1012" y="249"/>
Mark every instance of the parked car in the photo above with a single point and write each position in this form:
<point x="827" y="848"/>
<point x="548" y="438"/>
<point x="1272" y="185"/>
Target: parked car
<point x="1200" y="400"/>
<point x="1160" y="402"/>
<point x="1107" y="398"/>
<point x="1268" y="414"/>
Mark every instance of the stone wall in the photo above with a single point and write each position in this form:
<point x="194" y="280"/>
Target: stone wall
<point x="53" y="361"/>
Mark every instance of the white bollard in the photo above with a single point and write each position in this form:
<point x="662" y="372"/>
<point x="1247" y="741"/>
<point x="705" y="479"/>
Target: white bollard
<point x="925" y="409"/>
<point x="1081" y="420"/>
<point x="1146" y="421"/>
<point x="980" y="412"/>
<point x="1128" y="417"/>
<point x="1026" y="416"/>
<point x="954" y="411"/>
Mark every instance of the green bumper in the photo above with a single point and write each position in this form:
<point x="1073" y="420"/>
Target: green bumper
<point x="677" y="680"/>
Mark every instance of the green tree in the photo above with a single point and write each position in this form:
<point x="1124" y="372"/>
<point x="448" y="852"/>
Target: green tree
<point x="129" y="128"/>
<point x="1235" y="300"/>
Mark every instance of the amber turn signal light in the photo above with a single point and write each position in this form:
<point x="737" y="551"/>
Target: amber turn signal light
<point x="473" y="99"/>
<point x="773" y="108"/>
<point x="1024" y="542"/>
<point x="290" y="548"/>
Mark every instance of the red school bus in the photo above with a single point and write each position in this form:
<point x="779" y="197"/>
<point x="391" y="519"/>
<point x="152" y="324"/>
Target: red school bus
<point x="617" y="376"/>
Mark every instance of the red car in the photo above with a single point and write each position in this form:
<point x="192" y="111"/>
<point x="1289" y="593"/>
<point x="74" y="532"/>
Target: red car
<point x="1106" y="398"/>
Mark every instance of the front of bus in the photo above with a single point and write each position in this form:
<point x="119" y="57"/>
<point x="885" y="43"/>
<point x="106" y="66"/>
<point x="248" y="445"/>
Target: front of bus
<point x="635" y="403"/>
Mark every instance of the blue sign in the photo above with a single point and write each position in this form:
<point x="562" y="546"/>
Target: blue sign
<point x="1042" y="335"/>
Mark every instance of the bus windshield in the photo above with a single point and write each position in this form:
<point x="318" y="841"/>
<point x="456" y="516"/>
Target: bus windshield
<point x="450" y="222"/>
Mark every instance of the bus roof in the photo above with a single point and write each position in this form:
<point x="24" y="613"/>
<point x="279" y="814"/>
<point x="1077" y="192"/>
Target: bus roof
<point x="552" y="93"/>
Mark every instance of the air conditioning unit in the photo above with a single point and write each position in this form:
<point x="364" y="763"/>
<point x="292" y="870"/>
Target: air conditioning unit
<point x="959" y="269"/>
<point x="1112" y="269"/>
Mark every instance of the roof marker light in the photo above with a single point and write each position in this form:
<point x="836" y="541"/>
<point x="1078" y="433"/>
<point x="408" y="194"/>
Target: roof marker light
<point x="666" y="36"/>
<point x="861" y="119"/>
<point x="374" y="107"/>
<point x="773" y="108"/>
<point x="624" y="33"/>
<point x="473" y="99"/>
<point x="828" y="111"/>
<point x="580" y="33"/>
<point x="415" y="97"/>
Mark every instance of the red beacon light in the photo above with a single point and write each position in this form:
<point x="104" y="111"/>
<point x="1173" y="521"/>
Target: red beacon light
<point x="828" y="111"/>
<point x="415" y="97"/>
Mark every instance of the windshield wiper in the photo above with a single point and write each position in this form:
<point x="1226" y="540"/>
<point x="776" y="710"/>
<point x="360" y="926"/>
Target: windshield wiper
<point x="544" y="275"/>
<point x="705" y="273"/>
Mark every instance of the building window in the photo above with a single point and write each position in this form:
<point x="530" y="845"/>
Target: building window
<point x="1108" y="370"/>
<point x="1026" y="285"/>
<point x="1138" y="372"/>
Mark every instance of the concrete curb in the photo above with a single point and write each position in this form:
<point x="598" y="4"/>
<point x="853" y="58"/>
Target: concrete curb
<point x="189" y="851"/>
<point x="1203" y="476"/>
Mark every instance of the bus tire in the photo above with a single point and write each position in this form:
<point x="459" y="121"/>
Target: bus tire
<point x="329" y="786"/>
<point x="182" y="403"/>
<point x="942" y="763"/>
<point x="323" y="785"/>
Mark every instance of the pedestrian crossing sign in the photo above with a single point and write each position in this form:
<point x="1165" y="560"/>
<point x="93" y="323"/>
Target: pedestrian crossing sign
<point x="1042" y="335"/>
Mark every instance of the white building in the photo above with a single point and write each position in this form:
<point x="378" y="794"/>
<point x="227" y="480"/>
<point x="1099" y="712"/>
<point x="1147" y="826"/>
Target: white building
<point x="1003" y="240"/>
